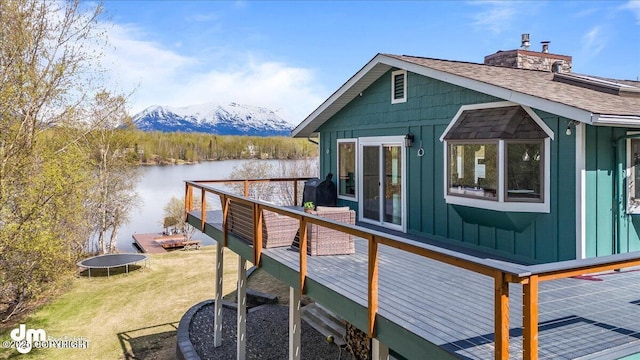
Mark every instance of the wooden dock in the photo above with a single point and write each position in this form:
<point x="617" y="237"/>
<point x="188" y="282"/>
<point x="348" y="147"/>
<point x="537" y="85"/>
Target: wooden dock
<point x="160" y="243"/>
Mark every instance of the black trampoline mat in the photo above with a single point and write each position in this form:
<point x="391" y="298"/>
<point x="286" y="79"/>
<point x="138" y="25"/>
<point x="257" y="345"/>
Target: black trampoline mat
<point x="112" y="260"/>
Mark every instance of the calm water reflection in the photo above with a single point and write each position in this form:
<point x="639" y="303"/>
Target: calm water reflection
<point x="156" y="187"/>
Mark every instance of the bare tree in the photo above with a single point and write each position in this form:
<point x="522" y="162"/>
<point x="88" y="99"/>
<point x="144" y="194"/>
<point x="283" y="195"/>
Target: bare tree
<point x="174" y="216"/>
<point x="255" y="169"/>
<point x="110" y="142"/>
<point x="278" y="192"/>
<point x="294" y="169"/>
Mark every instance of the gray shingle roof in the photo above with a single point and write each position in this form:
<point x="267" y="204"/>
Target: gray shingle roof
<point x="536" y="83"/>
<point x="532" y="88"/>
<point x="510" y="122"/>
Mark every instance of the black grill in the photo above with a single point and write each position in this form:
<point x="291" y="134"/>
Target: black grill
<point x="321" y="193"/>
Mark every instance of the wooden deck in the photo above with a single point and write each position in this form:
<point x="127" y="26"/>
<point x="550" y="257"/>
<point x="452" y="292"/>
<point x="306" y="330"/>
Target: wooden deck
<point x="441" y="309"/>
<point x="159" y="243"/>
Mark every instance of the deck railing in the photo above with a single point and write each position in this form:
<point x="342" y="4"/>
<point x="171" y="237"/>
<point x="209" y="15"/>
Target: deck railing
<point x="503" y="273"/>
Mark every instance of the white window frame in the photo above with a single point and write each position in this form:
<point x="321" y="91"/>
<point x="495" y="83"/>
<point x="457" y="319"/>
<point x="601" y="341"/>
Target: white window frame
<point x="630" y="174"/>
<point x="393" y="88"/>
<point x="382" y="141"/>
<point x="502" y="204"/>
<point x="356" y="170"/>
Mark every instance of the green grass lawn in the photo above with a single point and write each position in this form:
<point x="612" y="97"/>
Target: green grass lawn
<point x="129" y="316"/>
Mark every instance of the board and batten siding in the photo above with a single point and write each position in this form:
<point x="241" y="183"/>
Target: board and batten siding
<point x="601" y="172"/>
<point x="431" y="105"/>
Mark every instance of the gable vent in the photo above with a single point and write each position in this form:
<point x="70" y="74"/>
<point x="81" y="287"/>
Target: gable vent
<point x="398" y="86"/>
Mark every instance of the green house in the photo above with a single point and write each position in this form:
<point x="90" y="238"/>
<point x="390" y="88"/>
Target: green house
<point x="517" y="157"/>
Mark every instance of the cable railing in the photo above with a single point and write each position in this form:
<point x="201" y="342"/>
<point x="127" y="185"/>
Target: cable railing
<point x="502" y="273"/>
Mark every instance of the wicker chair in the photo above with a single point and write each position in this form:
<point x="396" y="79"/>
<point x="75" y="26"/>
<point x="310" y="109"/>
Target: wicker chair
<point x="277" y="230"/>
<point x="324" y="241"/>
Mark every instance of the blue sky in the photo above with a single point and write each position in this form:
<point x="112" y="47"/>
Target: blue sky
<point x="290" y="56"/>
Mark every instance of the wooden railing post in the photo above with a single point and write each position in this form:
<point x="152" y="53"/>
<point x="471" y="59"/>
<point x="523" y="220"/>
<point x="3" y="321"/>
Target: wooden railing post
<point x="203" y="203"/>
<point x="246" y="188"/>
<point x="303" y="254"/>
<point x="257" y="234"/>
<point x="188" y="198"/>
<point x="530" y="318"/>
<point x="225" y="216"/>
<point x="295" y="192"/>
<point x="501" y="316"/>
<point x="372" y="293"/>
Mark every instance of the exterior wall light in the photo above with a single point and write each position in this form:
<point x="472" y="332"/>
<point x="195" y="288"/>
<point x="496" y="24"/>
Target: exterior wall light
<point x="572" y="122"/>
<point x="408" y="140"/>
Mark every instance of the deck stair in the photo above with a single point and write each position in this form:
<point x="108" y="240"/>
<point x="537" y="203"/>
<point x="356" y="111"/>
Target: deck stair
<point x="325" y="322"/>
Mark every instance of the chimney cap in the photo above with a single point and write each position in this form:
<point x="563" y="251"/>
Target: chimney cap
<point x="525" y="41"/>
<point x="545" y="46"/>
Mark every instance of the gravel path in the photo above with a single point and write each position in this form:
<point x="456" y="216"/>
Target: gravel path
<point x="267" y="335"/>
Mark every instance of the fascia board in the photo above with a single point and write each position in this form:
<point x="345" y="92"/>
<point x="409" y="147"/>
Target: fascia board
<point x="615" y="120"/>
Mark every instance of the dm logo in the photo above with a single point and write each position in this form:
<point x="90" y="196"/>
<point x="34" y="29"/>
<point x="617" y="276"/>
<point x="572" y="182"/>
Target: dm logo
<point x="24" y="338"/>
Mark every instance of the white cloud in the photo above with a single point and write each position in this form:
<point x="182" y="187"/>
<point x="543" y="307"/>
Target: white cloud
<point x="164" y="77"/>
<point x="634" y="7"/>
<point x="594" y="41"/>
<point x="290" y="91"/>
<point x="497" y="15"/>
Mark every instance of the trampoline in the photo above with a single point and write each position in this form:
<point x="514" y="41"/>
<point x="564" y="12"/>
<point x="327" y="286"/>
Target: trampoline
<point x="109" y="261"/>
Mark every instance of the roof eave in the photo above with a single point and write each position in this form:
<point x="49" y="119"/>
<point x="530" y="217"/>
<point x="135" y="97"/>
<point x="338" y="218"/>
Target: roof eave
<point x="615" y="120"/>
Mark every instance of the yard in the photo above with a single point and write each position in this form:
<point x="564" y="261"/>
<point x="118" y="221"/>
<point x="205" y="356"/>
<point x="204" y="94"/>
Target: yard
<point x="129" y="316"/>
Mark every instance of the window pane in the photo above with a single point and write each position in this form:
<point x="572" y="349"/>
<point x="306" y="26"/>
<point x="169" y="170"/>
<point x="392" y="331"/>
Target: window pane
<point x="371" y="182"/>
<point x="524" y="174"/>
<point x="392" y="184"/>
<point x="347" y="169"/>
<point x="473" y="170"/>
<point x="633" y="178"/>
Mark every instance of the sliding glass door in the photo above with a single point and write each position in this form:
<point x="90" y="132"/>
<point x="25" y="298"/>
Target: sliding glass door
<point x="383" y="182"/>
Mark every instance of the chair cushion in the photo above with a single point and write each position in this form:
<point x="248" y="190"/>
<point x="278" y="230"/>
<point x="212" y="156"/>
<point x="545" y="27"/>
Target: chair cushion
<point x="332" y="208"/>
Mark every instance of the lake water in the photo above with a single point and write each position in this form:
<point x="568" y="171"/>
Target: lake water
<point x="158" y="185"/>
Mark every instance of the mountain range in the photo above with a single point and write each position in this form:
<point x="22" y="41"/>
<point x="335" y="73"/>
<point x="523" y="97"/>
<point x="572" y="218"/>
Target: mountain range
<point x="212" y="118"/>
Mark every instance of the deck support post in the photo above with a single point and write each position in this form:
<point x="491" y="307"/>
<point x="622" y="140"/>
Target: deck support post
<point x="241" y="348"/>
<point x="217" y="320"/>
<point x="294" y="324"/>
<point x="530" y="318"/>
<point x="379" y="351"/>
<point x="501" y="317"/>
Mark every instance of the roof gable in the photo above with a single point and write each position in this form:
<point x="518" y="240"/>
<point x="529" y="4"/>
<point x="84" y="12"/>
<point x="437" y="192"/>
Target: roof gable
<point x="531" y="88"/>
<point x="508" y="122"/>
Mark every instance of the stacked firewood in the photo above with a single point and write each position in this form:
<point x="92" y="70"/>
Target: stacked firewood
<point x="358" y="343"/>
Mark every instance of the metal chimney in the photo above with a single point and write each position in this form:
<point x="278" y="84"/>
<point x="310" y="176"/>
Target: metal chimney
<point x="545" y="46"/>
<point x="525" y="42"/>
<point x="556" y="67"/>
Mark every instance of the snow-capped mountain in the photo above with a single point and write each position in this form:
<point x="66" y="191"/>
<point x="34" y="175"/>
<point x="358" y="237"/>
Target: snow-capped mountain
<point x="220" y="119"/>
